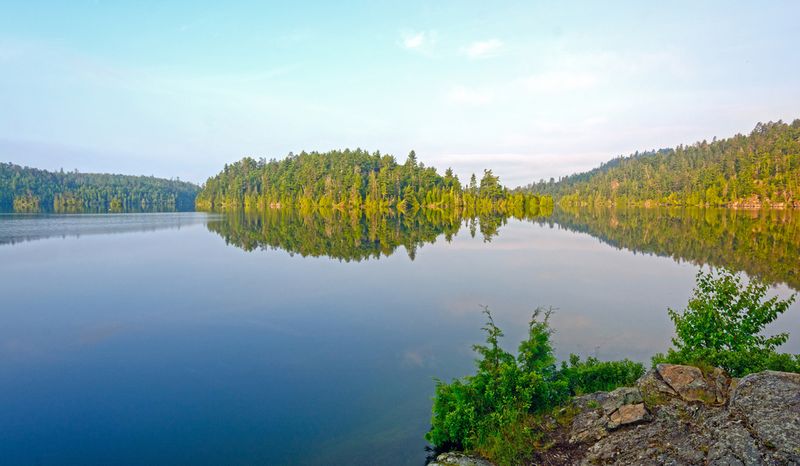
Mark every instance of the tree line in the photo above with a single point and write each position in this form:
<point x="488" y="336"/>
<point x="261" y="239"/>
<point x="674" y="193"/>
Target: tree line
<point x="756" y="170"/>
<point x="357" y="180"/>
<point x="24" y="189"/>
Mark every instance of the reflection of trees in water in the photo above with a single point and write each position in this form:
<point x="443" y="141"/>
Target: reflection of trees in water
<point x="762" y="243"/>
<point x="98" y="209"/>
<point x="348" y="235"/>
<point x="19" y="228"/>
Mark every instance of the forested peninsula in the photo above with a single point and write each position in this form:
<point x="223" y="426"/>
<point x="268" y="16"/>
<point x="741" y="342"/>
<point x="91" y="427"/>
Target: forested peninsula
<point x="356" y="180"/>
<point x="761" y="169"/>
<point x="24" y="189"/>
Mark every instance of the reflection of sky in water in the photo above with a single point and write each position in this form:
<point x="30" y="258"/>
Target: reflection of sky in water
<point x="169" y="346"/>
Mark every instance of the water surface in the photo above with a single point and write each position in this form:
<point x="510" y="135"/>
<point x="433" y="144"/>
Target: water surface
<point x="285" y="339"/>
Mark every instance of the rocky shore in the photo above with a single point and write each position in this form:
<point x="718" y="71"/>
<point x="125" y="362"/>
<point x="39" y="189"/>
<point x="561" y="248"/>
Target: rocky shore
<point x="678" y="415"/>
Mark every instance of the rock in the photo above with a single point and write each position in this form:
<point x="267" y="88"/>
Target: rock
<point x="589" y="423"/>
<point x="591" y="401"/>
<point x="601" y="411"/>
<point x="620" y="397"/>
<point x="769" y="402"/>
<point x="459" y="459"/>
<point x="721" y="383"/>
<point x="655" y="392"/>
<point x="628" y="414"/>
<point x="732" y="443"/>
<point x="691" y="385"/>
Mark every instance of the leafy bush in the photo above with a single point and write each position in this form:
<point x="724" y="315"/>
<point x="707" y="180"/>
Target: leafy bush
<point x="722" y="326"/>
<point x="497" y="412"/>
<point x="594" y="375"/>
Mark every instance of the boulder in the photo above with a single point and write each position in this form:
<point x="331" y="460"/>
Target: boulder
<point x="628" y="414"/>
<point x="621" y="397"/>
<point x="655" y="392"/>
<point x="769" y="402"/>
<point x="692" y="385"/>
<point x="601" y="411"/>
<point x="589" y="424"/>
<point x="684" y="420"/>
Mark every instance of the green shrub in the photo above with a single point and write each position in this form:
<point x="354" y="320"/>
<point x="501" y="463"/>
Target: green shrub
<point x="497" y="412"/>
<point x="722" y="326"/>
<point x="477" y="412"/>
<point x="594" y="375"/>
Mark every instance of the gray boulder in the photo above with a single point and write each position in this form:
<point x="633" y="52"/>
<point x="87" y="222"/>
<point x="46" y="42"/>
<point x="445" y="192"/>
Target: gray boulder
<point x="692" y="422"/>
<point x="769" y="404"/>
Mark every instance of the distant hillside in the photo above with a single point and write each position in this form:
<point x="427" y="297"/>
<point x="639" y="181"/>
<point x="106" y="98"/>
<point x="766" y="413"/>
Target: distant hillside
<point x="354" y="180"/>
<point x="24" y="189"/>
<point x="759" y="169"/>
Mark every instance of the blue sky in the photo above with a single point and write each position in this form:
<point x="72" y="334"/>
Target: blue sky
<point x="530" y="89"/>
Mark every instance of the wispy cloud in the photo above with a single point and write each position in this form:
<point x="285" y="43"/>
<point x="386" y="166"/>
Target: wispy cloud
<point x="483" y="49"/>
<point x="420" y="41"/>
<point x="414" y="41"/>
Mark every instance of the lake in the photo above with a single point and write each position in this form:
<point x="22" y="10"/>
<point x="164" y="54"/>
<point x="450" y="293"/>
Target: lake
<point x="200" y="338"/>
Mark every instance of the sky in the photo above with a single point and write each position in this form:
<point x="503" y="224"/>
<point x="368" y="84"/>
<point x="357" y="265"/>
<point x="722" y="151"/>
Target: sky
<point x="532" y="89"/>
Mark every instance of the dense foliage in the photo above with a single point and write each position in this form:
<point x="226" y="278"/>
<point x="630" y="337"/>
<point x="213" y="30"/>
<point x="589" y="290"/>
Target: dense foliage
<point x="24" y="189"/>
<point x="496" y="412"/>
<point x="762" y="168"/>
<point x="764" y="243"/>
<point x="593" y="375"/>
<point x="355" y="180"/>
<point x="351" y="235"/>
<point x="723" y="324"/>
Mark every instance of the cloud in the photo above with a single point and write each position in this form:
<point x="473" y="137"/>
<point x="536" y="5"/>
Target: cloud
<point x="418" y="41"/>
<point x="414" y="41"/>
<point x="483" y="49"/>
<point x="413" y="358"/>
<point x="470" y="96"/>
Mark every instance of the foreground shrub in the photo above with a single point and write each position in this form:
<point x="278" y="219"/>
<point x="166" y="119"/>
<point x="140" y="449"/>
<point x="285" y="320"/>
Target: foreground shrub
<point x="722" y="326"/>
<point x="594" y="375"/>
<point x="497" y="412"/>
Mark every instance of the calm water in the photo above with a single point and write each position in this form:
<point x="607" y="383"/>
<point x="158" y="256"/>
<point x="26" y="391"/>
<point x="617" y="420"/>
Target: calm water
<point x="201" y="339"/>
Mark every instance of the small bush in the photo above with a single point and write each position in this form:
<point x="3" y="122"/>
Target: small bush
<point x="594" y="375"/>
<point x="497" y="412"/>
<point x="722" y="326"/>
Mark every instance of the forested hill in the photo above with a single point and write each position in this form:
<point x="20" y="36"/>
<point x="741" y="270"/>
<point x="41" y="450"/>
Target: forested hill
<point x="759" y="169"/>
<point x="357" y="180"/>
<point x="24" y="189"/>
